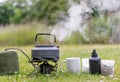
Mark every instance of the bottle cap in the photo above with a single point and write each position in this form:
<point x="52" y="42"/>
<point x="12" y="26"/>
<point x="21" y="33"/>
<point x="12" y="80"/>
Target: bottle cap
<point x="94" y="53"/>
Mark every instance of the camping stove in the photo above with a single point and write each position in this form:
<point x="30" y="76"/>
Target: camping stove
<point x="45" y="56"/>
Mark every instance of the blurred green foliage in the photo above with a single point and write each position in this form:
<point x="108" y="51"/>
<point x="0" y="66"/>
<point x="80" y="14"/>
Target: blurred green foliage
<point x="75" y="38"/>
<point x="99" y="30"/>
<point x="20" y="37"/>
<point x="49" y="12"/>
<point x="5" y="14"/>
<point x="22" y="11"/>
<point x="15" y="35"/>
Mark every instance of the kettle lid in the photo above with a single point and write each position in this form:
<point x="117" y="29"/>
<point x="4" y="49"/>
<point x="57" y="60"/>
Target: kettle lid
<point x="44" y="45"/>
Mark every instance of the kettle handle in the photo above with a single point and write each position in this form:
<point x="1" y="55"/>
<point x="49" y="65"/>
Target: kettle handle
<point x="36" y="37"/>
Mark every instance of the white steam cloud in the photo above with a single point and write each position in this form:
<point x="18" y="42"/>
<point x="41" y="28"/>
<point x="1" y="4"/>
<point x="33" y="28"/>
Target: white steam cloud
<point x="77" y="13"/>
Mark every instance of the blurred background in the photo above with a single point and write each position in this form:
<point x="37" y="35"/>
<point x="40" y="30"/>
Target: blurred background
<point x="72" y="21"/>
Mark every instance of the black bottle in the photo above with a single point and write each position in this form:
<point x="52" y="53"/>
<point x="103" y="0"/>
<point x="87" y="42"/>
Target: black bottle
<point x="95" y="63"/>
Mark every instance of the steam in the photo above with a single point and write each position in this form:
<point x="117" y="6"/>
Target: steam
<point x="77" y="13"/>
<point x="105" y="5"/>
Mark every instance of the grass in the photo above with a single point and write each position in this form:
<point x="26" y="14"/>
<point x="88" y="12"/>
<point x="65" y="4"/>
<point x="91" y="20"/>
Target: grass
<point x="81" y="51"/>
<point x="22" y="34"/>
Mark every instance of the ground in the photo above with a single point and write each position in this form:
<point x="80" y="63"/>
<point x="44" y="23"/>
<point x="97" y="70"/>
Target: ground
<point x="111" y="52"/>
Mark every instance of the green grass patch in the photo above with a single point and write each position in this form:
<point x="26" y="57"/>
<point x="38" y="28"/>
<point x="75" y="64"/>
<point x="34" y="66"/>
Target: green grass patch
<point x="82" y="51"/>
<point x="20" y="34"/>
